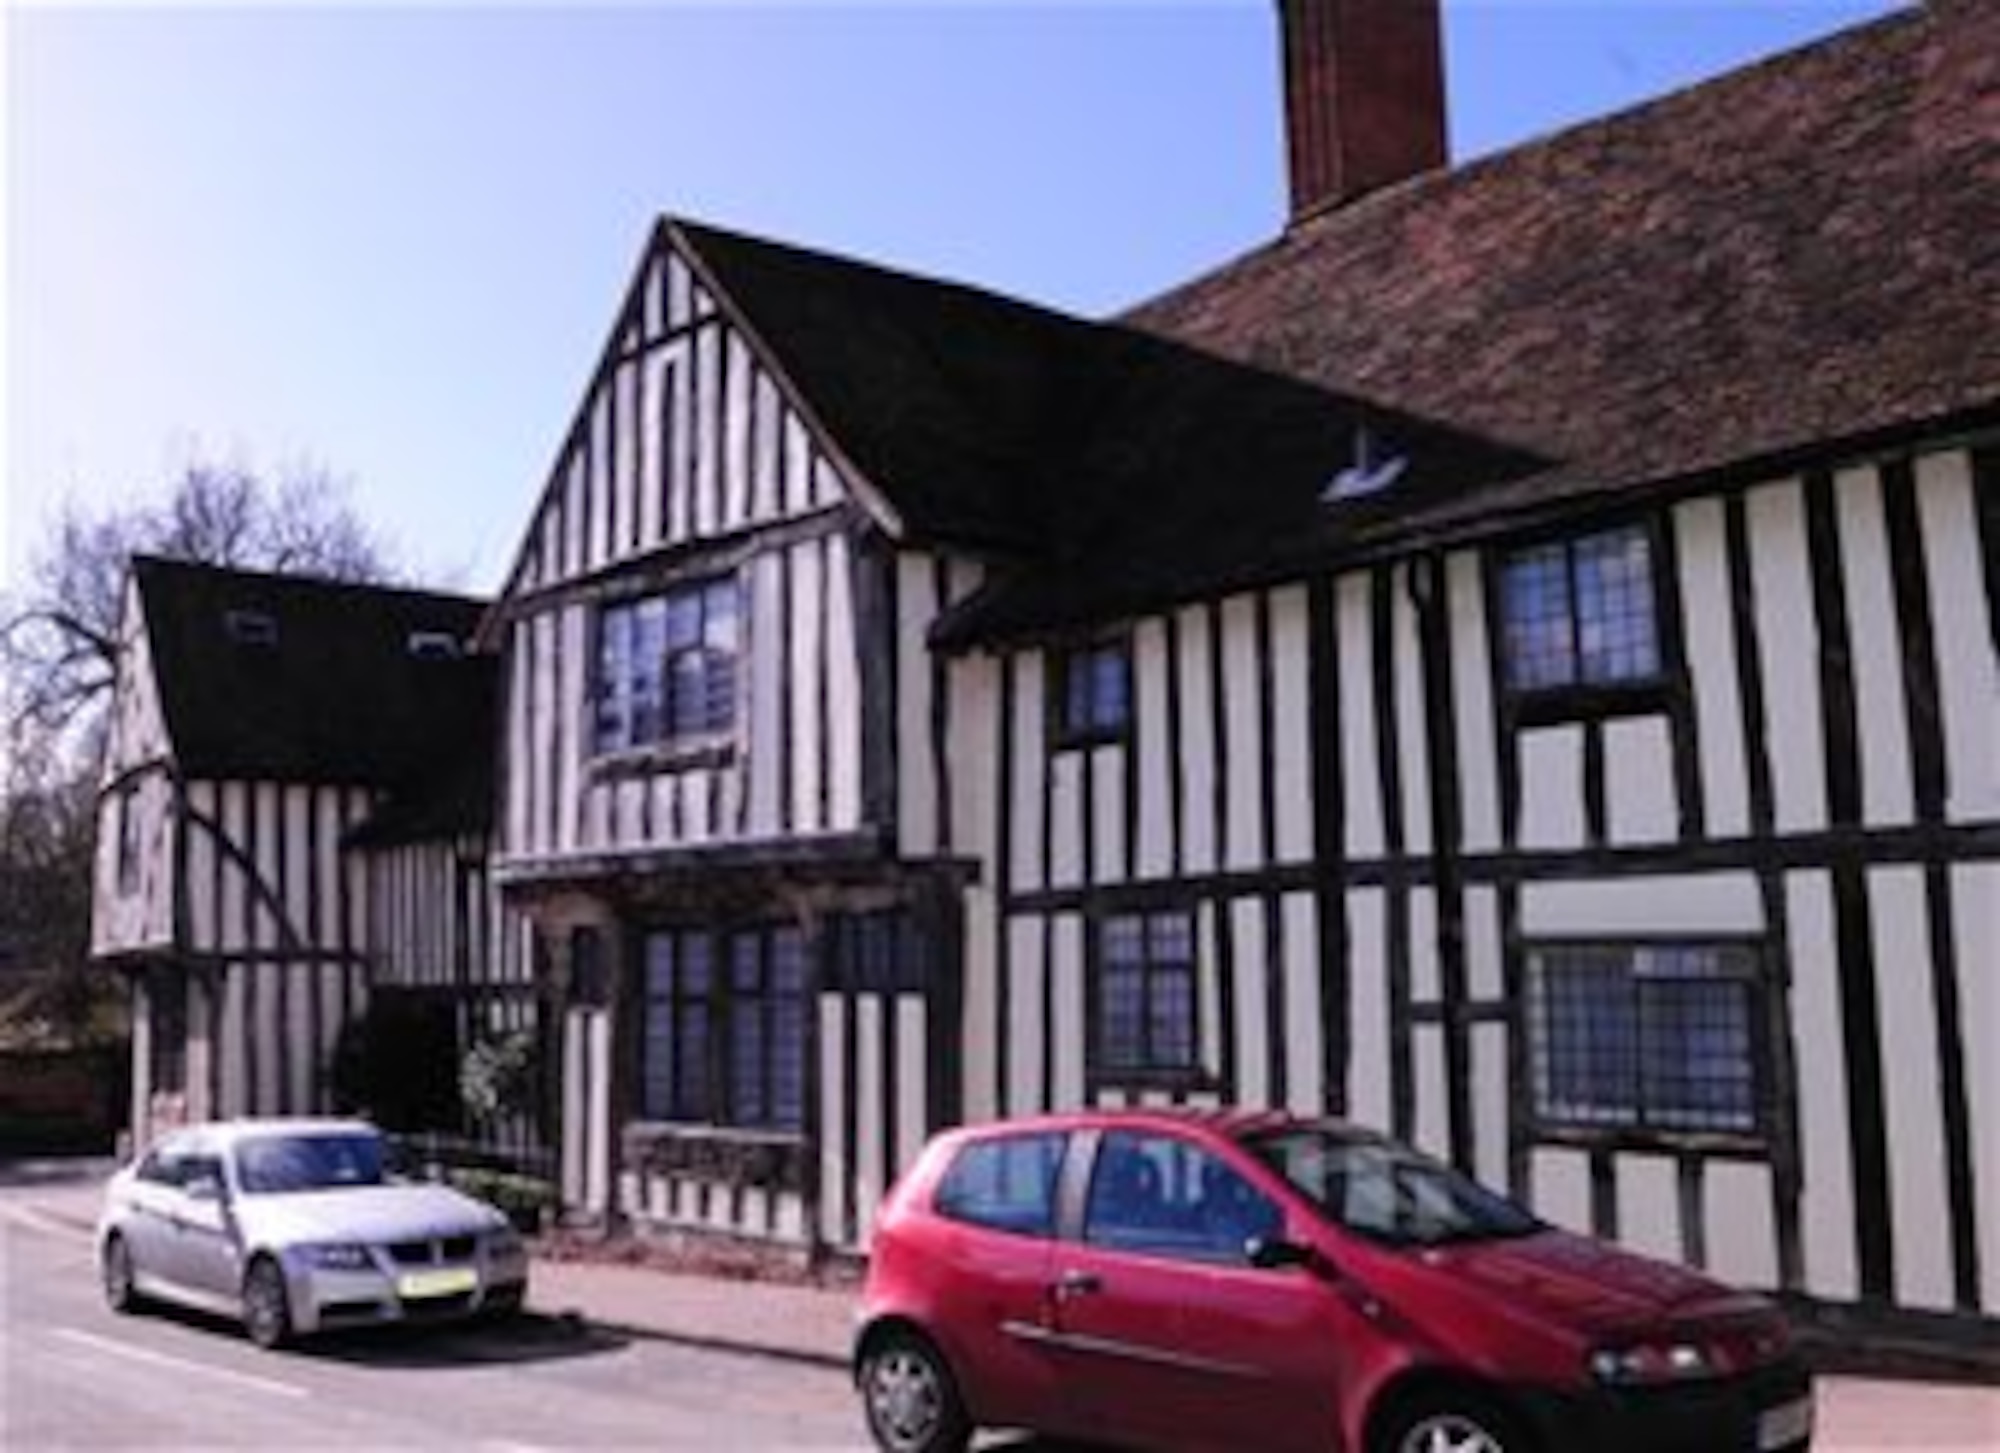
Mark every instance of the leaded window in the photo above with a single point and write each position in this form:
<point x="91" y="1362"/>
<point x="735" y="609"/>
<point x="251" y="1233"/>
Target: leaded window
<point x="725" y="1031"/>
<point x="1581" y="612"/>
<point x="667" y="668"/>
<point x="1656" y="1037"/>
<point x="1146" y="1020"/>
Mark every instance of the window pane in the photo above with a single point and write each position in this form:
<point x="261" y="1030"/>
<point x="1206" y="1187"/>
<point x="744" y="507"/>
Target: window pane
<point x="695" y="957"/>
<point x="1121" y="1016"/>
<point x="1660" y="1036"/>
<point x="1586" y="1061"/>
<point x="746" y="1063"/>
<point x="691" y="1074"/>
<point x="1534" y="587"/>
<point x="659" y="1062"/>
<point x="1171" y="1042"/>
<point x="1614" y="607"/>
<point x="1108" y="689"/>
<point x="788" y="961"/>
<point x="788" y="1063"/>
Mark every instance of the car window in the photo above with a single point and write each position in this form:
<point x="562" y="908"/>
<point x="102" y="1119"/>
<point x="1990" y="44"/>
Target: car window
<point x="1007" y="1183"/>
<point x="1388" y="1192"/>
<point x="276" y="1164"/>
<point x="1163" y="1196"/>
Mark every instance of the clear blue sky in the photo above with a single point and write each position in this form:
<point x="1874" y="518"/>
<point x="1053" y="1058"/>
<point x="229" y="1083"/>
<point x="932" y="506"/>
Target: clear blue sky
<point x="388" y="239"/>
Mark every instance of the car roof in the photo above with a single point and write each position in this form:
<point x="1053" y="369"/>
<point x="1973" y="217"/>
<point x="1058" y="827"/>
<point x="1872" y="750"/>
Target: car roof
<point x="1231" y="1123"/>
<point x="228" y="1132"/>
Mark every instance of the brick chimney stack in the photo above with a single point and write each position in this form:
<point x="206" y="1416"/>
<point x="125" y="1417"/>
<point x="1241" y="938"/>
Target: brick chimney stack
<point x="1364" y="96"/>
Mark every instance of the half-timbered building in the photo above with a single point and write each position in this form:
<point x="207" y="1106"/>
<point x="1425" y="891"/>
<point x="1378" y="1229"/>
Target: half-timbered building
<point x="1514" y="660"/>
<point x="293" y="816"/>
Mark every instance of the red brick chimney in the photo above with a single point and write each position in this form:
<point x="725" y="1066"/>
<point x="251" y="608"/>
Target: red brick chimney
<point x="1364" y="96"/>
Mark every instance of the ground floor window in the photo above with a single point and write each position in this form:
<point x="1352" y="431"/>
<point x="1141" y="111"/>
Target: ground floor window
<point x="167" y="1025"/>
<point x="1646" y="1037"/>
<point x="1145" y="996"/>
<point x="725" y="1028"/>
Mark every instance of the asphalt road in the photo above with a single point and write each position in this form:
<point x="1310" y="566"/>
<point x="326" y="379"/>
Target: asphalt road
<point x="75" y="1375"/>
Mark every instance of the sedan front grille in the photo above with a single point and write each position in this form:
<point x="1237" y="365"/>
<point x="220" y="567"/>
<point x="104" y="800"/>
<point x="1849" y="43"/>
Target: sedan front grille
<point x="433" y="1251"/>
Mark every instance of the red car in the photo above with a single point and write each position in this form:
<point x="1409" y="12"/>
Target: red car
<point x="1192" y="1280"/>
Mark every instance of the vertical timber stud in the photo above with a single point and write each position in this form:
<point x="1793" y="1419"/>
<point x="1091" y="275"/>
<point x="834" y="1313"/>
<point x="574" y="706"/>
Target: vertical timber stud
<point x="1909" y="569"/>
<point x="1507" y="888"/>
<point x="1427" y="594"/>
<point x="1329" y="849"/>
<point x="878" y="626"/>
<point x="1388" y="752"/>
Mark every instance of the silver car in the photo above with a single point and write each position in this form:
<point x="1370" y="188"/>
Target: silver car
<point x="296" y="1226"/>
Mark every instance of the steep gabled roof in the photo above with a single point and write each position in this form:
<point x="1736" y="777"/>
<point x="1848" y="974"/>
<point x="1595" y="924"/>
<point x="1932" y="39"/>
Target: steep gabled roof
<point x="1105" y="469"/>
<point x="1804" y="251"/>
<point x="287" y="679"/>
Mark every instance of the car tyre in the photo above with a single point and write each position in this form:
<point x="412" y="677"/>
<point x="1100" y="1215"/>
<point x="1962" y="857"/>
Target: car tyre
<point x="267" y="1311"/>
<point x="911" y="1398"/>
<point x="121" y="1292"/>
<point x="1452" y="1423"/>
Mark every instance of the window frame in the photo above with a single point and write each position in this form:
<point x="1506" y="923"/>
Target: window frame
<point x="708" y="745"/>
<point x="1148" y="1071"/>
<point x="724" y="1005"/>
<point x="1745" y="961"/>
<point x="1578" y="696"/>
<point x="1069" y="734"/>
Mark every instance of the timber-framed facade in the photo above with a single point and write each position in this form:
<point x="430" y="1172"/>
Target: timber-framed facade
<point x="1477" y="664"/>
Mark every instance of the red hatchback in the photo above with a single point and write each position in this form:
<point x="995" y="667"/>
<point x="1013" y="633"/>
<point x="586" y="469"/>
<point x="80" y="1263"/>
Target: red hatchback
<point x="1232" y="1281"/>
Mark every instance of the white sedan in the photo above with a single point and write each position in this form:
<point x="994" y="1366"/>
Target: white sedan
<point x="295" y="1226"/>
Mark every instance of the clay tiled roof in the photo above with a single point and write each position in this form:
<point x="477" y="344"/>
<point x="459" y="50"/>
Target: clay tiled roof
<point x="1802" y="252"/>
<point x="1103" y="470"/>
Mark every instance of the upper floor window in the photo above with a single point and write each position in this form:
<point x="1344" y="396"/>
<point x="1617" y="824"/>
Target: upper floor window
<point x="1581" y="613"/>
<point x="666" y="667"/>
<point x="1093" y="693"/>
<point x="1146" y="995"/>
<point x="1646" y="1037"/>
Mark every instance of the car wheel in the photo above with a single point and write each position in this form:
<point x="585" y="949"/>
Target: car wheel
<point x="911" y="1398"/>
<point x="267" y="1313"/>
<point x="120" y="1291"/>
<point x="1452" y="1425"/>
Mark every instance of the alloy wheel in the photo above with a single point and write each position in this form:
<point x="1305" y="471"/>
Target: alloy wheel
<point x="118" y="1279"/>
<point x="1450" y="1433"/>
<point x="266" y="1315"/>
<point x="906" y="1398"/>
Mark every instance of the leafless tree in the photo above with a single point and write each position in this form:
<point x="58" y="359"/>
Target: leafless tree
<point x="58" y="663"/>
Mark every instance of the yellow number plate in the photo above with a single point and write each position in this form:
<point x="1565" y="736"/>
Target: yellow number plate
<point x="446" y="1283"/>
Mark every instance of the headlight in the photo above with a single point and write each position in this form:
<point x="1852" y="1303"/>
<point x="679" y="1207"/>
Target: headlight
<point x="341" y="1256"/>
<point x="503" y="1243"/>
<point x="1651" y="1362"/>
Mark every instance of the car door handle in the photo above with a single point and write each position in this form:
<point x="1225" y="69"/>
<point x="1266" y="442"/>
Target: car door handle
<point x="1078" y="1284"/>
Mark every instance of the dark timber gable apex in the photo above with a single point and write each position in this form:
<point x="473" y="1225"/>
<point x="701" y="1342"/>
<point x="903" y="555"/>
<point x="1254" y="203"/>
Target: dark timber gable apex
<point x="1099" y="469"/>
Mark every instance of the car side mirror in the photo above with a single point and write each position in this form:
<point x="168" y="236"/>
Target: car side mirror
<point x="1274" y="1253"/>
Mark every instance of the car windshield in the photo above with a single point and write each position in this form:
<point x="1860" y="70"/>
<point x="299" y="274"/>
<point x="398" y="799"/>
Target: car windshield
<point x="1388" y="1192"/>
<point x="277" y="1164"/>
